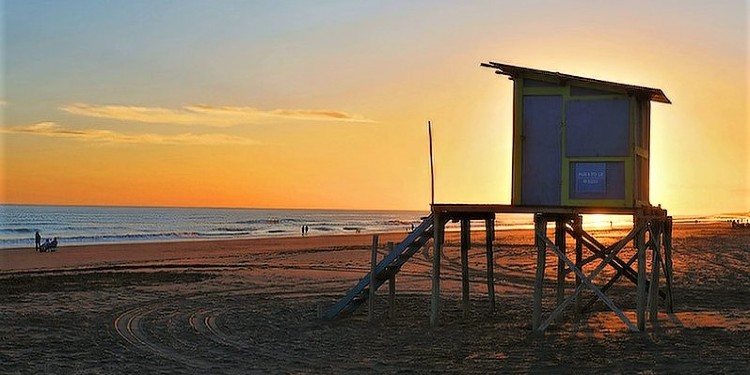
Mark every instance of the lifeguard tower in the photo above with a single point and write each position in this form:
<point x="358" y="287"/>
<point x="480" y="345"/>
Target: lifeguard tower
<point x="580" y="146"/>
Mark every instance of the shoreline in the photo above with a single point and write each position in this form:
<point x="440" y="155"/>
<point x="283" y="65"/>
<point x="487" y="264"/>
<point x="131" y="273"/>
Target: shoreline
<point x="453" y="229"/>
<point x="126" y="225"/>
<point x="71" y="257"/>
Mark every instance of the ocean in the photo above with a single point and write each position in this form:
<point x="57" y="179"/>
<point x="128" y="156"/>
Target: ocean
<point x="95" y="225"/>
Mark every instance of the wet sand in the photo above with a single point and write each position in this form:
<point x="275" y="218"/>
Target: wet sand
<point x="251" y="306"/>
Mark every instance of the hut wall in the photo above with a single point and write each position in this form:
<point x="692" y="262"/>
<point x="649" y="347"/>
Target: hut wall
<point x="578" y="144"/>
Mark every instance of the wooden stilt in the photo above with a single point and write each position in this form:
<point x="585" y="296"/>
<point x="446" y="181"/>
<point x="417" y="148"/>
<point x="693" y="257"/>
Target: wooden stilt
<point x="373" y="263"/>
<point x="651" y="221"/>
<point x="465" y="245"/>
<point x="640" y="246"/>
<point x="489" y="225"/>
<point x="540" y="232"/>
<point x="560" y="243"/>
<point x="437" y="250"/>
<point x="577" y="229"/>
<point x="653" y="296"/>
<point x="668" y="263"/>
<point x="391" y="288"/>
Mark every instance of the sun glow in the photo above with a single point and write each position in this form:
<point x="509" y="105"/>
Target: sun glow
<point x="316" y="113"/>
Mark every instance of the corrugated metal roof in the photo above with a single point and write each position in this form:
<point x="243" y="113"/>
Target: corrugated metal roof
<point x="654" y="94"/>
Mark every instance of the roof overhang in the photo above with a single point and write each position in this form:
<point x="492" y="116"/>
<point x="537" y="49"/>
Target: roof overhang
<point x="515" y="71"/>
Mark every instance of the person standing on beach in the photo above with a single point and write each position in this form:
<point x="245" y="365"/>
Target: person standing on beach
<point x="38" y="240"/>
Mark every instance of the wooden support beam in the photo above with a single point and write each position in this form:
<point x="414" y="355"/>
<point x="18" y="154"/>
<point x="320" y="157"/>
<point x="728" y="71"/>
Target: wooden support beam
<point x="600" y="250"/>
<point x="668" y="263"/>
<point x="437" y="241"/>
<point x="577" y="229"/>
<point x="540" y="231"/>
<point x="640" y="246"/>
<point x="373" y="263"/>
<point x="465" y="245"/>
<point x="489" y="225"/>
<point x="560" y="243"/>
<point x="609" y="284"/>
<point x="653" y="295"/>
<point x="590" y="258"/>
<point x="587" y="281"/>
<point x="391" y="288"/>
<point x="618" y="264"/>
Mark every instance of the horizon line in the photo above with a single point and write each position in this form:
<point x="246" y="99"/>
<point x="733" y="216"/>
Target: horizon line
<point x="205" y="207"/>
<point x="696" y="215"/>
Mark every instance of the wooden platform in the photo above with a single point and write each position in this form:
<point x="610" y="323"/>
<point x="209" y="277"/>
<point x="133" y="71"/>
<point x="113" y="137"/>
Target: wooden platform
<point x="470" y="210"/>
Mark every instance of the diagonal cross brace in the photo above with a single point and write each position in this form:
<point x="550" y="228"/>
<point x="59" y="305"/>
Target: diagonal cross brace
<point x="587" y="281"/>
<point x="622" y="267"/>
<point x="600" y="250"/>
<point x="611" y="282"/>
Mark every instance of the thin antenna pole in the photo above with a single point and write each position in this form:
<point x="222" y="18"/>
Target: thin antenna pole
<point x="432" y="168"/>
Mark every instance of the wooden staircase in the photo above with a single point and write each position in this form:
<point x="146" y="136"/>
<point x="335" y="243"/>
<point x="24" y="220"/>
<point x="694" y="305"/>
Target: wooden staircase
<point x="389" y="266"/>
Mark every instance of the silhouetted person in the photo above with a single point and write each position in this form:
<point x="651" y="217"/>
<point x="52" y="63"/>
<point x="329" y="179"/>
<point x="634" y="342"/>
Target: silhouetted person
<point x="38" y="239"/>
<point x="45" y="246"/>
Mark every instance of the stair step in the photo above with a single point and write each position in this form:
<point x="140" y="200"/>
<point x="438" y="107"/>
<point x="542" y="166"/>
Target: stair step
<point x="388" y="272"/>
<point x="389" y="266"/>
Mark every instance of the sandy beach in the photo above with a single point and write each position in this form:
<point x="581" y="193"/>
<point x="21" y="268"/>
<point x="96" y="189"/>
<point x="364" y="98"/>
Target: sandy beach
<point x="252" y="306"/>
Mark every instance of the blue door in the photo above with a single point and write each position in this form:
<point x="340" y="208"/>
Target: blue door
<point x="541" y="150"/>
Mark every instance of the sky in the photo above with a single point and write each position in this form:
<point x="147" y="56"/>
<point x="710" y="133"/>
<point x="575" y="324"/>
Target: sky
<point x="301" y="104"/>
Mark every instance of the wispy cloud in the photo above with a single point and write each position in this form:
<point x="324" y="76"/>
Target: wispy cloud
<point x="207" y="115"/>
<point x="52" y="129"/>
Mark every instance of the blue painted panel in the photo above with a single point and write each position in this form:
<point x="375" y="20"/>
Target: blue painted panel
<point x="542" y="150"/>
<point x="597" y="180"/>
<point x="597" y="127"/>
<point x="527" y="82"/>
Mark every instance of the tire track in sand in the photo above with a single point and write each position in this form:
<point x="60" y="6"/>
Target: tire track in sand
<point x="129" y="326"/>
<point x="204" y="322"/>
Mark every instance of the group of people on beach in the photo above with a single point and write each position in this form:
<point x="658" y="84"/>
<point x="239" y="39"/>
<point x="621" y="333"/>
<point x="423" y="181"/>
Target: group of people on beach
<point x="305" y="229"/>
<point x="736" y="224"/>
<point x="48" y="245"/>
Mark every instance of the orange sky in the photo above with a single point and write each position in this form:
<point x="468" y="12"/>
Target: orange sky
<point x="299" y="106"/>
